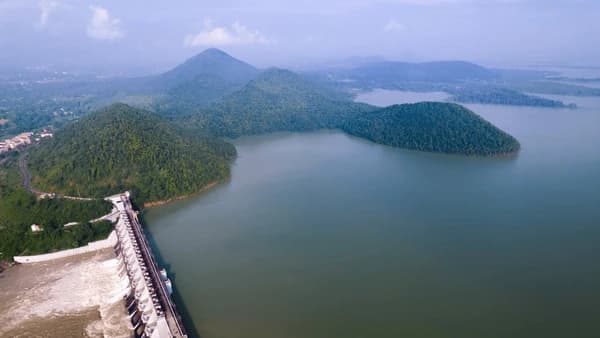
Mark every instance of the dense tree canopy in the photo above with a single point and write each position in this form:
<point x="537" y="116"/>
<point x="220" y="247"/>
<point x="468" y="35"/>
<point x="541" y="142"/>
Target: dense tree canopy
<point x="432" y="126"/>
<point x="122" y="148"/>
<point x="19" y="210"/>
<point x="278" y="100"/>
<point x="498" y="95"/>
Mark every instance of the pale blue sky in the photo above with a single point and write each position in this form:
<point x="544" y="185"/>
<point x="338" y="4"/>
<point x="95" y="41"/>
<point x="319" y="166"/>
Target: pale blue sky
<point x="149" y="34"/>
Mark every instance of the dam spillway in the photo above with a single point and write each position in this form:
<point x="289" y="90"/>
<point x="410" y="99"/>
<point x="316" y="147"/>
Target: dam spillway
<point x="151" y="309"/>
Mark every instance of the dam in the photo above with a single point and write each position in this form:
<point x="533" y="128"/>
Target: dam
<point x="151" y="309"/>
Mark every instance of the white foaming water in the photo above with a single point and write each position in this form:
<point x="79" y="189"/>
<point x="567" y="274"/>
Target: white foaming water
<point x="74" y="287"/>
<point x="114" y="321"/>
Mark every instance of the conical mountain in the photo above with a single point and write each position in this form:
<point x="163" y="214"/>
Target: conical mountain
<point x="211" y="63"/>
<point x="202" y="80"/>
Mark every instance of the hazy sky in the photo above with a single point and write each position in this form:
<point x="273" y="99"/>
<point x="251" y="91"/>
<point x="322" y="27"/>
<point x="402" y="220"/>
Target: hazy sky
<point x="149" y="34"/>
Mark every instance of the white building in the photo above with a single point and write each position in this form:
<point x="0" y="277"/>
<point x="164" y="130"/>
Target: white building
<point x="36" y="228"/>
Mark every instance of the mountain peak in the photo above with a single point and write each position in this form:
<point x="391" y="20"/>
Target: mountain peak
<point x="211" y="63"/>
<point x="213" y="51"/>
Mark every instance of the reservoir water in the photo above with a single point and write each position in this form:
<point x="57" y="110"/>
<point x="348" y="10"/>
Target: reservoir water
<point x="325" y="235"/>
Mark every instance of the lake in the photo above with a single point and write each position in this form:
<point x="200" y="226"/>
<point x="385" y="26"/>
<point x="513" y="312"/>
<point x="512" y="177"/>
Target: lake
<point x="326" y="235"/>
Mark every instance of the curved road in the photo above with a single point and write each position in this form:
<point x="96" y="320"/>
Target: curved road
<point x="26" y="176"/>
<point x="29" y="188"/>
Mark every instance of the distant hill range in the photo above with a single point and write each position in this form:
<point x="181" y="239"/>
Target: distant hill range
<point x="465" y="82"/>
<point x="215" y="95"/>
<point x="213" y="74"/>
<point x="441" y="71"/>
<point x="277" y="100"/>
<point x="280" y="100"/>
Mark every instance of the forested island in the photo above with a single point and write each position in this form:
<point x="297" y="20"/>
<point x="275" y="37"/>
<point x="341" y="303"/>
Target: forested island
<point x="501" y="96"/>
<point x="434" y="127"/>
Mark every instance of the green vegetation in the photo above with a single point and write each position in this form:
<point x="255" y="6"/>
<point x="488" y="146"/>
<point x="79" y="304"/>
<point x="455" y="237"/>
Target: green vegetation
<point x="42" y="100"/>
<point x="37" y="102"/>
<point x="19" y="210"/>
<point x="28" y="109"/>
<point x="556" y="88"/>
<point x="201" y="80"/>
<point x="122" y="148"/>
<point x="212" y="95"/>
<point x="497" y="95"/>
<point x="278" y="100"/>
<point x="433" y="126"/>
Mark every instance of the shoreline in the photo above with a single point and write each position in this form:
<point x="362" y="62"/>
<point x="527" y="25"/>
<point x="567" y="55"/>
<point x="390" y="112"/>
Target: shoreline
<point x="153" y="204"/>
<point x="507" y="155"/>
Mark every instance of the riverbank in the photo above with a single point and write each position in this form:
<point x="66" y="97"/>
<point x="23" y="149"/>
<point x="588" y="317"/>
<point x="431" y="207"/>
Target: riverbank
<point x="206" y="188"/>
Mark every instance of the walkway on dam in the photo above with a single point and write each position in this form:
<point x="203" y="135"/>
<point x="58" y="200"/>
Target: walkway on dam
<point x="169" y="311"/>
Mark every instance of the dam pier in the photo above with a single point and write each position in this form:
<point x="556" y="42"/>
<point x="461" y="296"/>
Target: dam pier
<point x="151" y="309"/>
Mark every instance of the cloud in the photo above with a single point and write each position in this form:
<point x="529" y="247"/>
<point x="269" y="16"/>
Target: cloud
<point x="237" y="34"/>
<point x="102" y="26"/>
<point x="46" y="8"/>
<point x="393" y="26"/>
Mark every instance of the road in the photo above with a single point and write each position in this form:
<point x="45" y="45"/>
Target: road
<point x="26" y="176"/>
<point x="27" y="183"/>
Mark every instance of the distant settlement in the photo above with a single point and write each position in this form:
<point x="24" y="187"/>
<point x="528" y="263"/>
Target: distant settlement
<point x="22" y="140"/>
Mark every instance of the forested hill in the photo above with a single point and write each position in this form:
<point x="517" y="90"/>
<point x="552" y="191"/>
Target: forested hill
<point x="277" y="100"/>
<point x="280" y="100"/>
<point x="211" y="63"/>
<point x="202" y="80"/>
<point x="122" y="148"/>
<point x="434" y="127"/>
